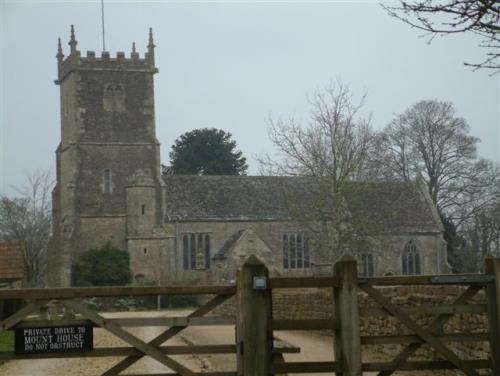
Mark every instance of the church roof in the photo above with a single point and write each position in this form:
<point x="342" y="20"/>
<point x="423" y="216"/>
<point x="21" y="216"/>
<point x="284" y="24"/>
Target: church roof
<point x="393" y="206"/>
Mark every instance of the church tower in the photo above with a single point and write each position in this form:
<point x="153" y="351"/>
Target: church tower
<point x="109" y="187"/>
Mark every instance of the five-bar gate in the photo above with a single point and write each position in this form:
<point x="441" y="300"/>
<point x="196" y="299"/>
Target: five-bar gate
<point x="256" y="352"/>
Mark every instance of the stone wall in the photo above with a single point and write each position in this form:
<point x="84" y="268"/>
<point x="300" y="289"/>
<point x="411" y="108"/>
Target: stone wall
<point x="147" y="259"/>
<point x="97" y="231"/>
<point x="387" y="254"/>
<point x="318" y="304"/>
<point x="269" y="232"/>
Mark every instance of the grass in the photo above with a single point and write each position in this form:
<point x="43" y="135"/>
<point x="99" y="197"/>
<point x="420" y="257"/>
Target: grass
<point x="6" y="342"/>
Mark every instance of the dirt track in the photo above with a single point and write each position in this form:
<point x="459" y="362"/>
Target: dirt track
<point x="314" y="347"/>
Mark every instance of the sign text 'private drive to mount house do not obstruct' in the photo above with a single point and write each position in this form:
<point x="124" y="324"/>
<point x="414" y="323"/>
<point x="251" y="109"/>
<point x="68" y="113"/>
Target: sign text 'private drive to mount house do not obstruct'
<point x="53" y="339"/>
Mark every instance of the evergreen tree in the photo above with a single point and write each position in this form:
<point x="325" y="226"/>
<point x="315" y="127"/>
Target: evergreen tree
<point x="106" y="266"/>
<point x="206" y="152"/>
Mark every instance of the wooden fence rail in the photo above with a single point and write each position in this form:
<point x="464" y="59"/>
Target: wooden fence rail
<point x="114" y="291"/>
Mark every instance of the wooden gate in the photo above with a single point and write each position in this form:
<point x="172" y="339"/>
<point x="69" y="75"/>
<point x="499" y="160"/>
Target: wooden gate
<point x="72" y="299"/>
<point x="256" y="352"/>
<point x="345" y="321"/>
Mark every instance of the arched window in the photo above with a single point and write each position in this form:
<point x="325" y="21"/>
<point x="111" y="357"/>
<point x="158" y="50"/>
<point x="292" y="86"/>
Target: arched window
<point x="196" y="251"/>
<point x="367" y="265"/>
<point x="200" y="254"/>
<point x="306" y="252"/>
<point x="207" y="252"/>
<point x="185" y="252"/>
<point x="295" y="251"/>
<point x="300" y="252"/>
<point x="411" y="259"/>
<point x="285" y="251"/>
<point x="192" y="251"/>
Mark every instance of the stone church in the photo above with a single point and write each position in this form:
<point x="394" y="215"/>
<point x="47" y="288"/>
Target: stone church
<point x="196" y="228"/>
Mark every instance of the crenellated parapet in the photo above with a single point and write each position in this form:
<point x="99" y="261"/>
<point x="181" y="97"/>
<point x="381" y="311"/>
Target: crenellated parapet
<point x="119" y="62"/>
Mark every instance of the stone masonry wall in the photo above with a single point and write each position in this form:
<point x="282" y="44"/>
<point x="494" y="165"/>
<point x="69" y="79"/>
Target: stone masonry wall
<point x="318" y="304"/>
<point x="387" y="258"/>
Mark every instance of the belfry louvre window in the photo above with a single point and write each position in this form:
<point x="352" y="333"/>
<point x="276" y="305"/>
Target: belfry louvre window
<point x="367" y="265"/>
<point x="196" y="251"/>
<point x="295" y="251"/>
<point x="106" y="181"/>
<point x="411" y="260"/>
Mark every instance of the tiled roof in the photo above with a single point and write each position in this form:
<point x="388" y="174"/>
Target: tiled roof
<point x="393" y="206"/>
<point x="11" y="262"/>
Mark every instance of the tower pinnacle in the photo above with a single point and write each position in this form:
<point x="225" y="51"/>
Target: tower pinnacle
<point x="60" y="54"/>
<point x="72" y="42"/>
<point x="151" y="47"/>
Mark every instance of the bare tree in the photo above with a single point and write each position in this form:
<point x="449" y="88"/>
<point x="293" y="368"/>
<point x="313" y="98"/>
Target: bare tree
<point x="329" y="151"/>
<point x="334" y="143"/>
<point x="429" y="138"/>
<point x="472" y="194"/>
<point x="456" y="16"/>
<point x="481" y="230"/>
<point x="391" y="155"/>
<point x="479" y="237"/>
<point x="25" y="222"/>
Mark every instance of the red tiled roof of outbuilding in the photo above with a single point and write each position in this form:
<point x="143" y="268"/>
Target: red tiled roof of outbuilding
<point x="11" y="262"/>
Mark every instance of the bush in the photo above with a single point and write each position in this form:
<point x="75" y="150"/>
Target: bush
<point x="93" y="304"/>
<point x="106" y="266"/>
<point x="181" y="301"/>
<point x="125" y="304"/>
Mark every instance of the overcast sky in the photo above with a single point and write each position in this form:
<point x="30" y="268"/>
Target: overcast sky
<point x="229" y="65"/>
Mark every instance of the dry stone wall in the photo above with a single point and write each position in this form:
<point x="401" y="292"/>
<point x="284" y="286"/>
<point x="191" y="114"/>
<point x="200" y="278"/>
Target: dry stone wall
<point x="318" y="304"/>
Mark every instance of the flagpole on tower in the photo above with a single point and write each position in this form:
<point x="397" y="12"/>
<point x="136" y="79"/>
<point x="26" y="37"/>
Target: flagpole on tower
<point x="102" y="17"/>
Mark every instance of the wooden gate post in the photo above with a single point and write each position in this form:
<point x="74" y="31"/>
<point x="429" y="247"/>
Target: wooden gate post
<point x="493" y="296"/>
<point x="347" y="345"/>
<point x="254" y="314"/>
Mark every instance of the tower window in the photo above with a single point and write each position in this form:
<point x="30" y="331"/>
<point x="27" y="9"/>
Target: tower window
<point x="145" y="251"/>
<point x="114" y="97"/>
<point x="143" y="209"/>
<point x="106" y="181"/>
